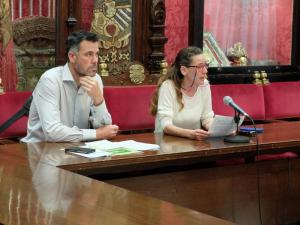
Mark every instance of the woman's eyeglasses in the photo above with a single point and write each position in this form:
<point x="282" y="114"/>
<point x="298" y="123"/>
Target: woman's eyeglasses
<point x="201" y="66"/>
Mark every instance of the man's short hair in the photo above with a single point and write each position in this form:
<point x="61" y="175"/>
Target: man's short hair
<point x="75" y="38"/>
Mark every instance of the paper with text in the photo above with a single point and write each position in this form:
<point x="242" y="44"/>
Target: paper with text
<point x="223" y="126"/>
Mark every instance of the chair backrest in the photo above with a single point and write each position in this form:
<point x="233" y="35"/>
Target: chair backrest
<point x="282" y="100"/>
<point x="249" y="97"/>
<point x="11" y="103"/>
<point x="129" y="106"/>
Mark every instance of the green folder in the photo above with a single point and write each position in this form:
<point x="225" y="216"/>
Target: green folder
<point x="121" y="151"/>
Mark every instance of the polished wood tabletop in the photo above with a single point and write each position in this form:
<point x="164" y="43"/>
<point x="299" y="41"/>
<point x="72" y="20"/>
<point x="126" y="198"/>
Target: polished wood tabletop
<point x="34" y="192"/>
<point x="38" y="183"/>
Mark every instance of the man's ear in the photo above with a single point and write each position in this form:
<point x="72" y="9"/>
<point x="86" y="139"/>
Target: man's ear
<point x="72" y="56"/>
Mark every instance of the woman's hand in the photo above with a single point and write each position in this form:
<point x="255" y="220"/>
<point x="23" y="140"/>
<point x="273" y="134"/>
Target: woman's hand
<point x="199" y="134"/>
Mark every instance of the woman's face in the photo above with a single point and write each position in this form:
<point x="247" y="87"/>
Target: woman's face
<point x="196" y="72"/>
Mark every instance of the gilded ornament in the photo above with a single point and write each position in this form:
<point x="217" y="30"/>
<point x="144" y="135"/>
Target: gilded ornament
<point x="237" y="54"/>
<point x="137" y="73"/>
<point x="103" y="69"/>
<point x="264" y="76"/>
<point x="256" y="77"/>
<point x="163" y="67"/>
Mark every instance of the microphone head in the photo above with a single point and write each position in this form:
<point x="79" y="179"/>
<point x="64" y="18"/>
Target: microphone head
<point x="227" y="100"/>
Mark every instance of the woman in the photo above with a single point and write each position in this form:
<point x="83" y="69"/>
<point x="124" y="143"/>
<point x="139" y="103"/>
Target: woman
<point x="182" y="103"/>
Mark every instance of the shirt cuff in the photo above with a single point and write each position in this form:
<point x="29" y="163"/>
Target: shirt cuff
<point x="165" y="121"/>
<point x="88" y="134"/>
<point x="100" y="115"/>
<point x="99" y="108"/>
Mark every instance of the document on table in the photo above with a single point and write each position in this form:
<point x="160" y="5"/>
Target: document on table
<point x="223" y="126"/>
<point x="130" y="144"/>
<point x="108" y="148"/>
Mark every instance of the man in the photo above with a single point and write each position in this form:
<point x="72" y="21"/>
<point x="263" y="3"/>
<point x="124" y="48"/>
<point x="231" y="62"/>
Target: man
<point x="68" y="100"/>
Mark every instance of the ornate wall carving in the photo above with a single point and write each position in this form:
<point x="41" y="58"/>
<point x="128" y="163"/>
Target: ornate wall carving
<point x="112" y="21"/>
<point x="34" y="39"/>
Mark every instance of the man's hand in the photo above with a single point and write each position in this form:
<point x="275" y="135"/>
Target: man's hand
<point x="92" y="88"/>
<point x="107" y="132"/>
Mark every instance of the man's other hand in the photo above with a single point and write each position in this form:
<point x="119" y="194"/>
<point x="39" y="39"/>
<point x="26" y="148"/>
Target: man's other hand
<point x="107" y="132"/>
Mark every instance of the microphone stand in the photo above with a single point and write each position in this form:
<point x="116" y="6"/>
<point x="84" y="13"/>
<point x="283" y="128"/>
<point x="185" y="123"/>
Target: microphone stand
<point x="237" y="138"/>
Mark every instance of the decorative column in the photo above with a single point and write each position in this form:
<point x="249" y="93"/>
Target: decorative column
<point x="66" y="23"/>
<point x="8" y="71"/>
<point x="72" y="21"/>
<point x="157" y="39"/>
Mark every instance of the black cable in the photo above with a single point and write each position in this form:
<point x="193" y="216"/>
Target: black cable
<point x="257" y="172"/>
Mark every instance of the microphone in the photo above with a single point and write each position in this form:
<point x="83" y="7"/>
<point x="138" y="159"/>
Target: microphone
<point x="228" y="101"/>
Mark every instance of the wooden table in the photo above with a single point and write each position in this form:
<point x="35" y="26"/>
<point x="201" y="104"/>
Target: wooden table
<point x="34" y="192"/>
<point x="174" y="173"/>
<point x="174" y="151"/>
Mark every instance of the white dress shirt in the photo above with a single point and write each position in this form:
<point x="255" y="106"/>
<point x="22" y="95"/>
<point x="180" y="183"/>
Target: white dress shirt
<point x="60" y="112"/>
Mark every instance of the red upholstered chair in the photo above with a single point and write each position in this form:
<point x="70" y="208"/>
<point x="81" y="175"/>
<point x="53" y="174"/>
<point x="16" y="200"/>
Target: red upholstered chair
<point x="282" y="100"/>
<point x="10" y="103"/>
<point x="129" y="106"/>
<point x="249" y="97"/>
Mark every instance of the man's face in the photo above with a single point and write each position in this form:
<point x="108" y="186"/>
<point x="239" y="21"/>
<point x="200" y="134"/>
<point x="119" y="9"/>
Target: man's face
<point x="85" y="61"/>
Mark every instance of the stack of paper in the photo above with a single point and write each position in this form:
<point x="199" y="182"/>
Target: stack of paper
<point x="108" y="148"/>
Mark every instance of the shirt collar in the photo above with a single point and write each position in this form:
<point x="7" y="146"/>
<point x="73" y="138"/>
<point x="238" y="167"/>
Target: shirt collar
<point x="67" y="75"/>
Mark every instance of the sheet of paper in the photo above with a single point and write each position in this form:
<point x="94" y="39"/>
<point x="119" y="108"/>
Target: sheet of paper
<point x="129" y="144"/>
<point x="102" y="145"/>
<point x="140" y="146"/>
<point x="223" y="126"/>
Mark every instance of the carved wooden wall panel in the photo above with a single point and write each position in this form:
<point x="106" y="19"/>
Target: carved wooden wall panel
<point x="112" y="21"/>
<point x="130" y="33"/>
<point x="34" y="39"/>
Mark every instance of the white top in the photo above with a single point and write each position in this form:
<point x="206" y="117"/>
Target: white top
<point x="60" y="112"/>
<point x="197" y="109"/>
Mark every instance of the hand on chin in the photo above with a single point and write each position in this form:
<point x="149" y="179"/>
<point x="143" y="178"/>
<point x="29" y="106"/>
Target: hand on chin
<point x="92" y="74"/>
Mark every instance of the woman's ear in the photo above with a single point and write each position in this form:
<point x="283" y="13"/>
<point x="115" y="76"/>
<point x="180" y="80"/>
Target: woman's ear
<point x="183" y="70"/>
